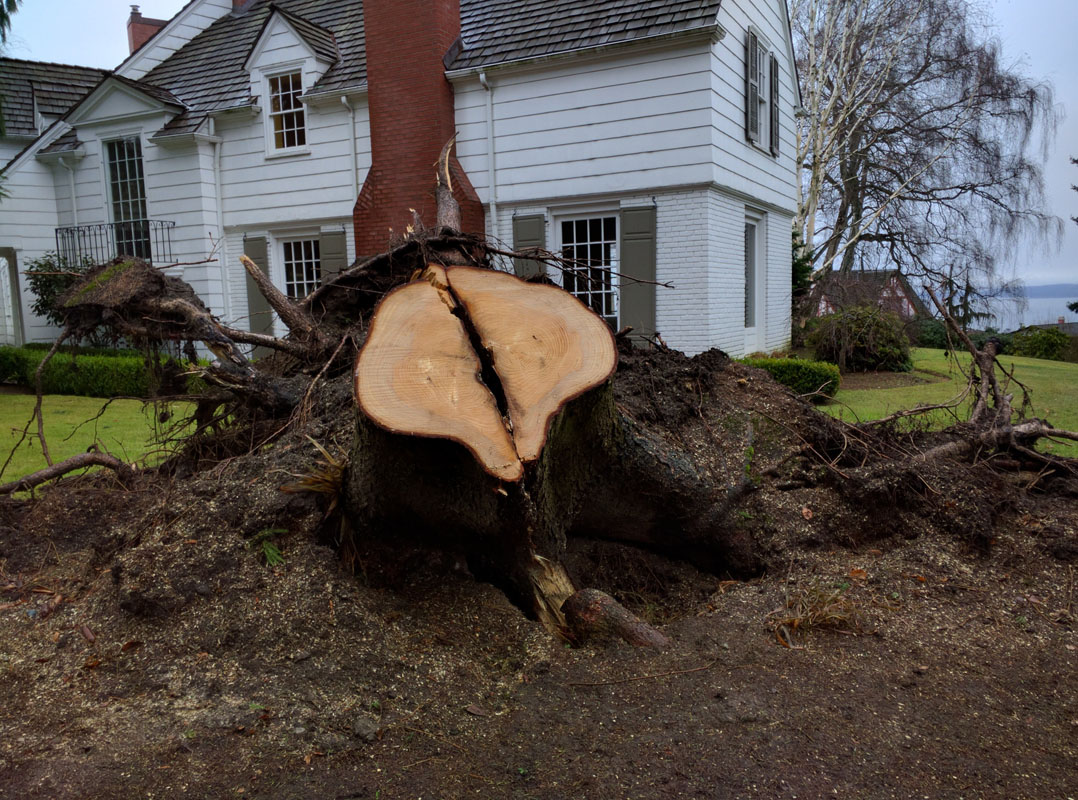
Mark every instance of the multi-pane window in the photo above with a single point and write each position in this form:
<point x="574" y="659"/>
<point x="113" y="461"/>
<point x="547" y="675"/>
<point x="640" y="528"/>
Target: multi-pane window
<point x="302" y="266"/>
<point x="127" y="194"/>
<point x="591" y="246"/>
<point x="286" y="111"/>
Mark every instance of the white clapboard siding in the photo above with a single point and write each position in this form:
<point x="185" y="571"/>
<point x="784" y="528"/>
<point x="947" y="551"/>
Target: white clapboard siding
<point x="261" y="188"/>
<point x="9" y="148"/>
<point x="27" y="224"/>
<point x="194" y="18"/>
<point x="738" y="163"/>
<point x="628" y="122"/>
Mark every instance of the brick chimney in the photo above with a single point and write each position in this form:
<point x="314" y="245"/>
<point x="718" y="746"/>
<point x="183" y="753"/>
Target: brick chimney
<point x="411" y="118"/>
<point x="140" y="29"/>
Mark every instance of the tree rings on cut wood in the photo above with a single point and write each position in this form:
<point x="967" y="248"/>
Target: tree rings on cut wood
<point x="546" y="346"/>
<point x="418" y="374"/>
<point x="420" y="370"/>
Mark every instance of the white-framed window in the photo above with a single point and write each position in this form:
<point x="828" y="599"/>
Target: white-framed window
<point x="590" y="244"/>
<point x="127" y="196"/>
<point x="287" y="117"/>
<point x="302" y="261"/>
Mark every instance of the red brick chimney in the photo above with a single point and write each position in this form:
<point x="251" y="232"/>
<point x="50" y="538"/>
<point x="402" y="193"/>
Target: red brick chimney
<point x="411" y="118"/>
<point x="140" y="29"/>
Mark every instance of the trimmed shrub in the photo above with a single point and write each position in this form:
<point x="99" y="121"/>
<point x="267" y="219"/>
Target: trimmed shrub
<point x="861" y="339"/>
<point x="801" y="376"/>
<point x="1049" y="343"/>
<point x="50" y="277"/>
<point x="89" y="375"/>
<point x="87" y="350"/>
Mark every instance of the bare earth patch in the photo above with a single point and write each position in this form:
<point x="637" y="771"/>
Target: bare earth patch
<point x="896" y="640"/>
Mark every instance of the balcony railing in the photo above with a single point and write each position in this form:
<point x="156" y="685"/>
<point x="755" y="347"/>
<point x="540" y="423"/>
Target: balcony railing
<point x="149" y="239"/>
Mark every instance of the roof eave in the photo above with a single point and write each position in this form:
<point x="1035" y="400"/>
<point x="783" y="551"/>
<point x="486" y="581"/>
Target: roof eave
<point x="714" y="31"/>
<point x="331" y="94"/>
<point x="77" y="153"/>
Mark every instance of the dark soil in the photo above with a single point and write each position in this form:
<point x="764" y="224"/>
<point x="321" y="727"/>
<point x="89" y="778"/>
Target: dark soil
<point x="895" y="634"/>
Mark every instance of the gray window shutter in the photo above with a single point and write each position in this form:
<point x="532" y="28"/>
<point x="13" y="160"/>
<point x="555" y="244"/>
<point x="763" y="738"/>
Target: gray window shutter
<point x="752" y="88"/>
<point x="773" y="104"/>
<point x="260" y="315"/>
<point x="333" y="254"/>
<point x="638" y="261"/>
<point x="528" y="231"/>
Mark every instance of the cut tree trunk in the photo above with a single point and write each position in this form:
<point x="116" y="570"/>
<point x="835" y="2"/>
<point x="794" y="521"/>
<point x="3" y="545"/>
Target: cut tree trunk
<point x="434" y="458"/>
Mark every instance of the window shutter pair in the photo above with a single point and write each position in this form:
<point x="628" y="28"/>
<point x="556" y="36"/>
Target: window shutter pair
<point x="637" y="235"/>
<point x="752" y="88"/>
<point x="753" y="70"/>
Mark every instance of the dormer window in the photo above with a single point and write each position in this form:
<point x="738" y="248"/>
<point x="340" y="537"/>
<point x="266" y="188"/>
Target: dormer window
<point x="286" y="111"/>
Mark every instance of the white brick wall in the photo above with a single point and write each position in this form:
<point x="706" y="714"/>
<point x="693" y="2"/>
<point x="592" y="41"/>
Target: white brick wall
<point x="701" y="252"/>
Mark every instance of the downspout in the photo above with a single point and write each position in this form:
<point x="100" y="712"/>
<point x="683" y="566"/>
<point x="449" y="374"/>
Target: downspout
<point x="74" y="197"/>
<point x="222" y="244"/>
<point x="352" y="141"/>
<point x="492" y="169"/>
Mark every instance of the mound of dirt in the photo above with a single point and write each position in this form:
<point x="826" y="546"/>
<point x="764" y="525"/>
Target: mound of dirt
<point x="878" y="632"/>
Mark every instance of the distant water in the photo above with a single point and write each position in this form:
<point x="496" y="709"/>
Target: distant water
<point x="1039" y="311"/>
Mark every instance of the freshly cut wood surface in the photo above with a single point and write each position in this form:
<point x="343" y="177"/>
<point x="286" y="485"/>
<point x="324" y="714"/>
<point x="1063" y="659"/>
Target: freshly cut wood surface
<point x="418" y="374"/>
<point x="547" y="347"/>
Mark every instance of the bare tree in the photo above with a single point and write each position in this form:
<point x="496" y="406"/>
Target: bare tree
<point x="917" y="141"/>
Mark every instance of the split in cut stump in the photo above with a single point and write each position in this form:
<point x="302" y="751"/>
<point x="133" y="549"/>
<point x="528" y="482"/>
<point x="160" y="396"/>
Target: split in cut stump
<point x="431" y="342"/>
<point x="418" y="374"/>
<point x="546" y="346"/>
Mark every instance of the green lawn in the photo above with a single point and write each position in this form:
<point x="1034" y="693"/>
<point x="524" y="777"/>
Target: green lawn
<point x="126" y="430"/>
<point x="1053" y="388"/>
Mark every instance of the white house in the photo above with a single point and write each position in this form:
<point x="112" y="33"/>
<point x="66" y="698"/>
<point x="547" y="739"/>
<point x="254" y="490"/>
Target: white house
<point x="652" y="139"/>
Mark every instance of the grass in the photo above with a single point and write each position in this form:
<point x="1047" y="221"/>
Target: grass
<point x="1053" y="390"/>
<point x="126" y="429"/>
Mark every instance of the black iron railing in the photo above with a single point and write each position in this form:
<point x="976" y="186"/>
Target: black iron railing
<point x="150" y="239"/>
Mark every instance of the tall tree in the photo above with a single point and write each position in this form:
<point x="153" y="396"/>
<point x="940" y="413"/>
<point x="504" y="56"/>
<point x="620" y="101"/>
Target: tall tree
<point x="7" y="8"/>
<point x="917" y="141"/>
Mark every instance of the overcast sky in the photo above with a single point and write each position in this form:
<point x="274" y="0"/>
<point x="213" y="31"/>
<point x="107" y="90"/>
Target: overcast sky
<point x="1038" y="34"/>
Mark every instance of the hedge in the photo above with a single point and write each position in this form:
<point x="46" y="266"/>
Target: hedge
<point x="120" y="375"/>
<point x="801" y="376"/>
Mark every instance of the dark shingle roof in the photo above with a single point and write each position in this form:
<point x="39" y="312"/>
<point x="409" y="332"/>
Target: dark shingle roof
<point x="207" y="74"/>
<point x="321" y="40"/>
<point x="55" y="87"/>
<point x="63" y="144"/>
<point x="865" y="287"/>
<point x="497" y="31"/>
<point x="147" y="88"/>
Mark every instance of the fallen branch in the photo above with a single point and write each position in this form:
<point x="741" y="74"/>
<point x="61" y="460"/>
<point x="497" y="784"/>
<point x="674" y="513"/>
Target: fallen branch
<point x="81" y="461"/>
<point x="994" y="438"/>
<point x="292" y="314"/>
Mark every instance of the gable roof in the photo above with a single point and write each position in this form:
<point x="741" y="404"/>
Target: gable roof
<point x="54" y="87"/>
<point x="321" y="41"/>
<point x="865" y="287"/>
